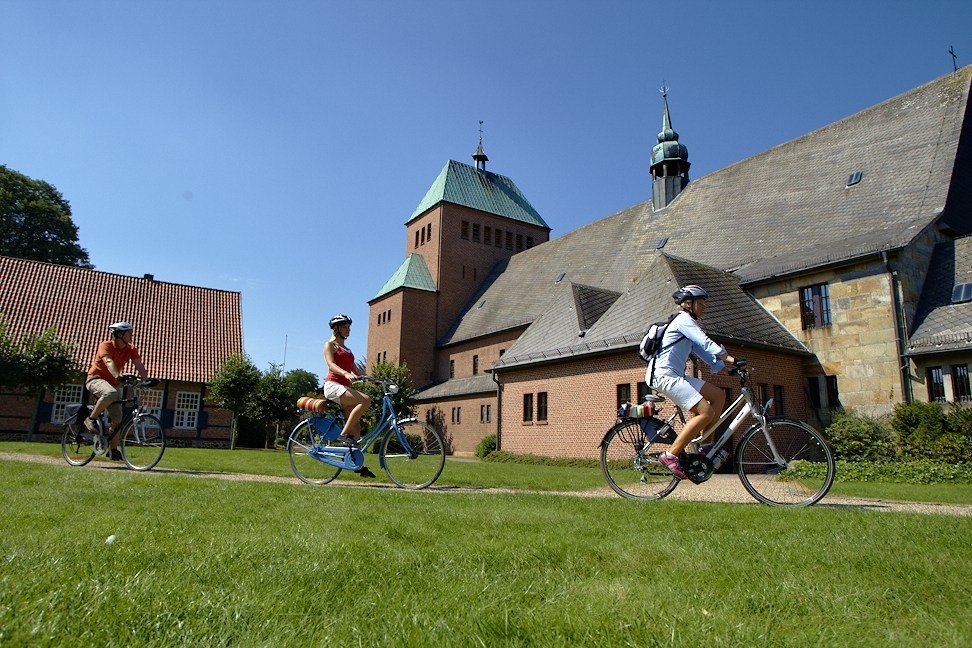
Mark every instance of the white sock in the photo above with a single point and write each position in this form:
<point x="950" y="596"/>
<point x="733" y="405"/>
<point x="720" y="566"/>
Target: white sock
<point x="669" y="455"/>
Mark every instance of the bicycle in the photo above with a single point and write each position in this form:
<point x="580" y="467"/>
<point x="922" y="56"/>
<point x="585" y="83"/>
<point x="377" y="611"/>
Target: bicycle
<point x="142" y="438"/>
<point x="780" y="461"/>
<point x="410" y="451"/>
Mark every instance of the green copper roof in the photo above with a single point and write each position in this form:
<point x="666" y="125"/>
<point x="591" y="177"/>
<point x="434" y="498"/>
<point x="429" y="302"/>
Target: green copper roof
<point x="465" y="185"/>
<point x="413" y="273"/>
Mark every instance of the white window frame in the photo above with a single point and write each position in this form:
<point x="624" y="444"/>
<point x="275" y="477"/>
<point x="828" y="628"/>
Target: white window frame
<point x="64" y="396"/>
<point x="143" y="402"/>
<point x="186" y="411"/>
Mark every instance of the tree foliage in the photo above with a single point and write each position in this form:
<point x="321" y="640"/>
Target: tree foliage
<point x="38" y="361"/>
<point x="404" y="400"/>
<point x="35" y="222"/>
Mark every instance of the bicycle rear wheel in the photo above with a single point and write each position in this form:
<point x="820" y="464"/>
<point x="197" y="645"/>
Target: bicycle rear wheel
<point x="798" y="473"/>
<point x="143" y="442"/>
<point x="77" y="444"/>
<point x="419" y="465"/>
<point x="308" y="469"/>
<point x="631" y="466"/>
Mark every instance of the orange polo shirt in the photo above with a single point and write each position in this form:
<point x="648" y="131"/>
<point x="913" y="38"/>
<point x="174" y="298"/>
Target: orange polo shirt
<point x="119" y="356"/>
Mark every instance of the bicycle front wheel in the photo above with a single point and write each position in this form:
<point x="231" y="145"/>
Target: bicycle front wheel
<point x="77" y="444"/>
<point x="630" y="465"/>
<point x="788" y="465"/>
<point x="420" y="463"/>
<point x="143" y="442"/>
<point x="308" y="469"/>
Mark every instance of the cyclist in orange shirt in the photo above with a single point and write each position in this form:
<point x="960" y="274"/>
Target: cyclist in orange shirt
<point x="106" y="366"/>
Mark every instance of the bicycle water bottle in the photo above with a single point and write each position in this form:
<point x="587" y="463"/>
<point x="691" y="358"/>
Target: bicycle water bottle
<point x="720" y="457"/>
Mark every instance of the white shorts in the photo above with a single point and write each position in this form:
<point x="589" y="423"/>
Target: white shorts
<point x="334" y="391"/>
<point x="683" y="390"/>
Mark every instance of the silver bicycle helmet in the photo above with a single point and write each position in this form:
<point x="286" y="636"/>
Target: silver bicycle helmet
<point x="337" y="320"/>
<point x="689" y="292"/>
<point x="120" y="327"/>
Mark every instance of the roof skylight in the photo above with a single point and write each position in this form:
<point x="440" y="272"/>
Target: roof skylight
<point x="962" y="293"/>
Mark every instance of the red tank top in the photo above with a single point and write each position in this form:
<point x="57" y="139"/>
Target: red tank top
<point x="344" y="359"/>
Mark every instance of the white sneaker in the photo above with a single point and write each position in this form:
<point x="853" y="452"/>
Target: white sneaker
<point x="90" y="424"/>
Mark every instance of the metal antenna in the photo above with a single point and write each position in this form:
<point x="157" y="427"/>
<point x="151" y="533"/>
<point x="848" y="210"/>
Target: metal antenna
<point x="951" y="50"/>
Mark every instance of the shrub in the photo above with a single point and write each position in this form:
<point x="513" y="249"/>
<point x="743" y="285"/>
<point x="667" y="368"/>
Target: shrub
<point x="487" y="445"/>
<point x="857" y="437"/>
<point x="499" y="456"/>
<point x="918" y="427"/>
<point x="959" y="419"/>
<point x="903" y="472"/>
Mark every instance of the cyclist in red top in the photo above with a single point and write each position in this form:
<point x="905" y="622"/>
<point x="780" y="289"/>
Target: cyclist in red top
<point x="337" y="383"/>
<point x="109" y="360"/>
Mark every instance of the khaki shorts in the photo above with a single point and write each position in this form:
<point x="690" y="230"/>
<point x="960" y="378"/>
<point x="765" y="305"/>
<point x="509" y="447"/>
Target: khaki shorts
<point x="105" y="391"/>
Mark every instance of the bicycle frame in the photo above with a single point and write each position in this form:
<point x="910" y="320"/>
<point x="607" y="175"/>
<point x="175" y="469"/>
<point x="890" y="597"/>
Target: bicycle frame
<point x="748" y="406"/>
<point x="345" y="458"/>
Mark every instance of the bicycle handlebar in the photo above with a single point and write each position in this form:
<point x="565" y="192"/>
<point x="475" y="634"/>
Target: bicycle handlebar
<point x="132" y="379"/>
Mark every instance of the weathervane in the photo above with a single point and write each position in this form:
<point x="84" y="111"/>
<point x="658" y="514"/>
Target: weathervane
<point x="480" y="132"/>
<point x="951" y="50"/>
<point x="663" y="89"/>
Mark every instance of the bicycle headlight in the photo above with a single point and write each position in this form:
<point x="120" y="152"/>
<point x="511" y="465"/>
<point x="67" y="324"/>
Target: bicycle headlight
<point x="392" y="388"/>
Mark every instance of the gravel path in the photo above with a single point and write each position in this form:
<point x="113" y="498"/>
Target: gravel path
<point x="721" y="488"/>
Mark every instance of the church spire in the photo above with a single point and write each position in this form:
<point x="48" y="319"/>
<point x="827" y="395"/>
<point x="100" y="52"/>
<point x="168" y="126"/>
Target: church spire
<point x="669" y="161"/>
<point x="480" y="155"/>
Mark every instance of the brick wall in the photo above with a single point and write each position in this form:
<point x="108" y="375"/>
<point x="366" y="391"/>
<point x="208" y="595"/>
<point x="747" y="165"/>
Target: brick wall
<point x="463" y="263"/>
<point x="582" y="398"/>
<point x="462" y="436"/>
<point x="487" y="348"/>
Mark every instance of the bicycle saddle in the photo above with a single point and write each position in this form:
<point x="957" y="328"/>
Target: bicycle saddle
<point x="654" y="398"/>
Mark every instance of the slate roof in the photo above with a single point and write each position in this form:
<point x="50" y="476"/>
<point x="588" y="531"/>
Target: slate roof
<point x="785" y="210"/>
<point x="183" y="332"/>
<point x="464" y="185"/>
<point x="413" y="273"/>
<point x="732" y="315"/>
<point x="939" y="324"/>
<point x="478" y="384"/>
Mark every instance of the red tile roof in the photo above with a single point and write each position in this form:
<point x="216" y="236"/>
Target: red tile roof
<point x="182" y="332"/>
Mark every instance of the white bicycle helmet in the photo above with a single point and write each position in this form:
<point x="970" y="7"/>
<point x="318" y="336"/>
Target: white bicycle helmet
<point x="689" y="292"/>
<point x="120" y="327"/>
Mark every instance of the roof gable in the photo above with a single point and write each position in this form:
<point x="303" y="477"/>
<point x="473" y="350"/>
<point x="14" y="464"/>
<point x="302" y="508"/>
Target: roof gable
<point x="941" y="325"/>
<point x="183" y="332"/>
<point x="464" y="185"/>
<point x="413" y="273"/>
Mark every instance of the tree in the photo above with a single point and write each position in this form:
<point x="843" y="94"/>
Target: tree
<point x="35" y="222"/>
<point x="232" y="388"/>
<point x="36" y="362"/>
<point x="404" y="400"/>
<point x="300" y="382"/>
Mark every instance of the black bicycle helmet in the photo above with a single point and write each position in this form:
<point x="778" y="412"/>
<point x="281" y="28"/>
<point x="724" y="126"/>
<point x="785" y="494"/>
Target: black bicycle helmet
<point x="337" y="320"/>
<point x="689" y="292"/>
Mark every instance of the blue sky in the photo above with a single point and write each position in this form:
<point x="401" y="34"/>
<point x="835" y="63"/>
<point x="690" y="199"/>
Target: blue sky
<point x="277" y="148"/>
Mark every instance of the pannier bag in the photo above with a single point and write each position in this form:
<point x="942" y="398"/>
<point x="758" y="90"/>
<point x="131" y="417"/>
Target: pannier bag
<point x="75" y="413"/>
<point x="637" y="411"/>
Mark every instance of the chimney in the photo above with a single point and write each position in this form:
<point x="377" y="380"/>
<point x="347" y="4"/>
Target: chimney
<point x="149" y="277"/>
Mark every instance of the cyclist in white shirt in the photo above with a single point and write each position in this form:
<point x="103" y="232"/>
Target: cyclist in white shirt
<point x="666" y="372"/>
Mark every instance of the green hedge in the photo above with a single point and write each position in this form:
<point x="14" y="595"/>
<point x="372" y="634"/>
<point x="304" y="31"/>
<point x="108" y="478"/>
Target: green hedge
<point x="901" y="472"/>
<point x="487" y="445"/>
<point x="500" y="456"/>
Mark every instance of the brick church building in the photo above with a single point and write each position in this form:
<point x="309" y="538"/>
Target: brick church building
<point x="838" y="264"/>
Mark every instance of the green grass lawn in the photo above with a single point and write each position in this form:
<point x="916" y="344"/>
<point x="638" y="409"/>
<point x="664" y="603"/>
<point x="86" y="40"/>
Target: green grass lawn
<point x="211" y="562"/>
<point x="476" y="474"/>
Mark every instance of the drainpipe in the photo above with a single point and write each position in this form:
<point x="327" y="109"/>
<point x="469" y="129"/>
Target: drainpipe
<point x="499" y="410"/>
<point x="903" y="363"/>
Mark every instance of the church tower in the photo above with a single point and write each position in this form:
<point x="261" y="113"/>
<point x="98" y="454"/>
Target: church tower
<point x="469" y="219"/>
<point x="669" y="162"/>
